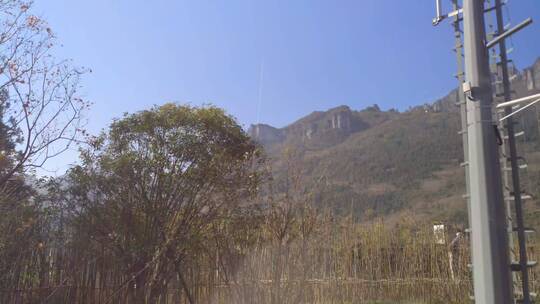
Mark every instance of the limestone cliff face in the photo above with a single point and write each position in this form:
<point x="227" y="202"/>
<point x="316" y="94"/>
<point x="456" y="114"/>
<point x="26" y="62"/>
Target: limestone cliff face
<point x="528" y="81"/>
<point x="265" y="134"/>
<point x="340" y="118"/>
<point x="318" y="124"/>
<point x="320" y="129"/>
<point x="331" y="128"/>
<point x="524" y="83"/>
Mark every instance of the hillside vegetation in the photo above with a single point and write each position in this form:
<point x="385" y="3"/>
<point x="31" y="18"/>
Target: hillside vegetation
<point x="375" y="163"/>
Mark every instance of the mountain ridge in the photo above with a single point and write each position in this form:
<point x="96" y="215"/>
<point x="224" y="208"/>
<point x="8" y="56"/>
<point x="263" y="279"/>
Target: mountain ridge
<point x="525" y="81"/>
<point x="387" y="163"/>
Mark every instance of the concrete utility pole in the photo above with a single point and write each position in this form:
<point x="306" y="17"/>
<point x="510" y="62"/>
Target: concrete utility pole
<point x="489" y="239"/>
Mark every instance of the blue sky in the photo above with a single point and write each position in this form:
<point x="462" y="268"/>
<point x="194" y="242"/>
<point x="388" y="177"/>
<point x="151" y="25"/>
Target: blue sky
<point x="314" y="54"/>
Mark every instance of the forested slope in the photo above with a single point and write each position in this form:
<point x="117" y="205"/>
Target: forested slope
<point x="375" y="163"/>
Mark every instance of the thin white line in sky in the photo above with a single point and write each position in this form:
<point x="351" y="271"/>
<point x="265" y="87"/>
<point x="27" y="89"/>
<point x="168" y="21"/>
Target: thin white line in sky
<point x="259" y="94"/>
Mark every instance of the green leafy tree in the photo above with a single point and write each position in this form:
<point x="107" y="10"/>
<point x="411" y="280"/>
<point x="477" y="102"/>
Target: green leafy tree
<point x="150" y="190"/>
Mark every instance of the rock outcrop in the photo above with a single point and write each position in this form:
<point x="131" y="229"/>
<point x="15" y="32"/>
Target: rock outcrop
<point x="266" y="134"/>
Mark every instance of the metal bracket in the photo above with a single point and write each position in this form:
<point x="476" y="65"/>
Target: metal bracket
<point x="468" y="90"/>
<point x="509" y="33"/>
<point x="440" y="17"/>
<point x="517" y="101"/>
<point x="520" y="109"/>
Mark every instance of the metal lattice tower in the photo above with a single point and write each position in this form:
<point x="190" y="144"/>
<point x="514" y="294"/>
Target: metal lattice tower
<point x="491" y="281"/>
<point x="514" y="195"/>
<point x="497" y="64"/>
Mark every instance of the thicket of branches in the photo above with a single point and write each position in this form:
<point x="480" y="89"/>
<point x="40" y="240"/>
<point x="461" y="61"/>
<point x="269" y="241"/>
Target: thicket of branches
<point x="40" y="117"/>
<point x="174" y="205"/>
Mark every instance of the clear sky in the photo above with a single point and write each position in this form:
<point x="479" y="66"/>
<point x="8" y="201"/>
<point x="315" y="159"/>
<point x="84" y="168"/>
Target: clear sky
<point x="268" y="61"/>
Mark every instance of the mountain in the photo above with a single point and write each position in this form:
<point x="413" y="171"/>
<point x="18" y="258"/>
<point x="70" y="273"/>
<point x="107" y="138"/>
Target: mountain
<point x="375" y="163"/>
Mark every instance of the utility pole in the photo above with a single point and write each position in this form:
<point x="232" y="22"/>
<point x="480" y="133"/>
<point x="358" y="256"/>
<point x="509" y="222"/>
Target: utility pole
<point x="489" y="239"/>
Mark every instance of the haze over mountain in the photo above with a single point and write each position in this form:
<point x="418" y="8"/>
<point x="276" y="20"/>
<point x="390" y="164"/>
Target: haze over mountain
<point x="386" y="163"/>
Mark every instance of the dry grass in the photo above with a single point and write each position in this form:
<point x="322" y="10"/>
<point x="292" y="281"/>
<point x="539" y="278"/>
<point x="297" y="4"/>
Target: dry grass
<point x="339" y="262"/>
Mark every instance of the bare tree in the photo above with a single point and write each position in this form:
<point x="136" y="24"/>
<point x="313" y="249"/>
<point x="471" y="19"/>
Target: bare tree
<point x="37" y="92"/>
<point x="291" y="218"/>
